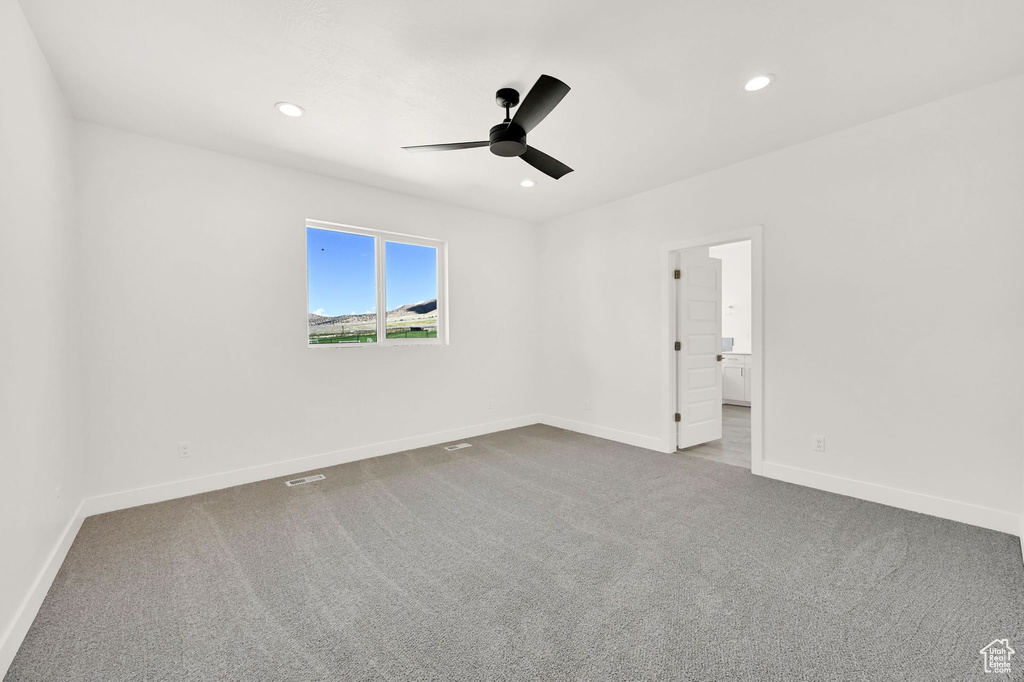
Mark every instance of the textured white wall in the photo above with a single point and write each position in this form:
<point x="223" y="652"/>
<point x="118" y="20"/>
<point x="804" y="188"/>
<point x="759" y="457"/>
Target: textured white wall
<point x="892" y="253"/>
<point x="736" y="309"/>
<point x="39" y="369"/>
<point x="195" y="296"/>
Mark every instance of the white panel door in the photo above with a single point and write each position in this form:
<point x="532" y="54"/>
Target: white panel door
<point x="699" y="320"/>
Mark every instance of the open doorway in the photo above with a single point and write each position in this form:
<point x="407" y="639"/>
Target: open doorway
<point x="735" y="367"/>
<point x="716" y="322"/>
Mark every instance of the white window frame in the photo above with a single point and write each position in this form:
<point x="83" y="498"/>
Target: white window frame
<point x="379" y="239"/>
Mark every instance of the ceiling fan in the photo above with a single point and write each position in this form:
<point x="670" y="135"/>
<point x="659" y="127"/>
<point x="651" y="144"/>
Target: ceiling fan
<point x="508" y="138"/>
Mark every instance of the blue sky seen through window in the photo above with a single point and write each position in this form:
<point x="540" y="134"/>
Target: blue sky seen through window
<point x="341" y="273"/>
<point x="411" y="274"/>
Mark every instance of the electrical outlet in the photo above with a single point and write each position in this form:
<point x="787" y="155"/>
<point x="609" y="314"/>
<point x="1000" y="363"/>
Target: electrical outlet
<point x="818" y="443"/>
<point x="586" y="405"/>
<point x="56" y="496"/>
<point x="490" y="404"/>
<point x="184" y="449"/>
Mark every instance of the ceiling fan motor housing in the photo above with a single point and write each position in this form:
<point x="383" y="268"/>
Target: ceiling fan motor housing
<point x="508" y="139"/>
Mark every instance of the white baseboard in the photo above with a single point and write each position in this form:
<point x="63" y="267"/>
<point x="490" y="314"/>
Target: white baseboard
<point x="204" y="484"/>
<point x="15" y="633"/>
<point x="627" y="437"/>
<point x="984" y="517"/>
<point x="975" y="515"/>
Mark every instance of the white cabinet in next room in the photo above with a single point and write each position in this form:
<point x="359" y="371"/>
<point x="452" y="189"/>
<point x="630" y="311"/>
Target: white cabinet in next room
<point x="736" y="379"/>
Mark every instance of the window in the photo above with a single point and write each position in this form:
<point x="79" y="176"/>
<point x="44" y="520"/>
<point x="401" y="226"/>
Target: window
<point x="353" y="274"/>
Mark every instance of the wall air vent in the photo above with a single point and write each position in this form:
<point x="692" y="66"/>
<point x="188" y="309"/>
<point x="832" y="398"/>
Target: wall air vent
<point x="457" y="447"/>
<point x="307" y="479"/>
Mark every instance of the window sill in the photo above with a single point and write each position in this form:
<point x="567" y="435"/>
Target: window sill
<point x="389" y="344"/>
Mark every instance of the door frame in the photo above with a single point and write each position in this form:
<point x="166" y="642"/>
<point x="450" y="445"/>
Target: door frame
<point x="668" y="263"/>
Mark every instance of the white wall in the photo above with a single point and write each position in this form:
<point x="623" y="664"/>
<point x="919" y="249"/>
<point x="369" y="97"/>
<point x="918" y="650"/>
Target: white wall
<point x="195" y="296"/>
<point x="736" y="304"/>
<point x="892" y="254"/>
<point x="39" y="370"/>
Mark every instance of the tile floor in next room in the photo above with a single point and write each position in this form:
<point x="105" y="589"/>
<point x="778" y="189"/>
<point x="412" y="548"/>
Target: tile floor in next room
<point x="734" y="446"/>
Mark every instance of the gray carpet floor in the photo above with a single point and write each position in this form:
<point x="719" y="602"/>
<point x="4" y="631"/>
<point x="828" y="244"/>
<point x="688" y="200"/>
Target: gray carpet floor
<point x="537" y="554"/>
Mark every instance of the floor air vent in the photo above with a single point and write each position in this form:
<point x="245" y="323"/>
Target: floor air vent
<point x="307" y="479"/>
<point x="457" y="447"/>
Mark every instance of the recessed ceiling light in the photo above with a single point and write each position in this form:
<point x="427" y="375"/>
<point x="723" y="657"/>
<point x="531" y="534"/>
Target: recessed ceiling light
<point x="527" y="183"/>
<point x="758" y="82"/>
<point x="289" y="109"/>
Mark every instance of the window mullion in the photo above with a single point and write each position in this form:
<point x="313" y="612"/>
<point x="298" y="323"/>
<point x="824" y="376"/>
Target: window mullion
<point x="382" y="323"/>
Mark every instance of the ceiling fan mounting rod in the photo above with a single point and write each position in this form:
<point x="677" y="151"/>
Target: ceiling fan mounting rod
<point x="507" y="98"/>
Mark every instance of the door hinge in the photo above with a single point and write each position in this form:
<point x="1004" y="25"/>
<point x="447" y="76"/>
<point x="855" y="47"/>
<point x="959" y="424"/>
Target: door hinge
<point x="678" y="274"/>
<point x="679" y="417"/>
<point x="679" y="345"/>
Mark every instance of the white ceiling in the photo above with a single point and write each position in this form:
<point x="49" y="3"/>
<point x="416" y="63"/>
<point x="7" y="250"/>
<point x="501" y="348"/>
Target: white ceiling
<point x="656" y="95"/>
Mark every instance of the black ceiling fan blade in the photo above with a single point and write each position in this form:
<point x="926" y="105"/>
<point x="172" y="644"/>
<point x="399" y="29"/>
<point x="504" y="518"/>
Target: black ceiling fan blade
<point x="446" y="147"/>
<point x="545" y="94"/>
<point x="544" y="163"/>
